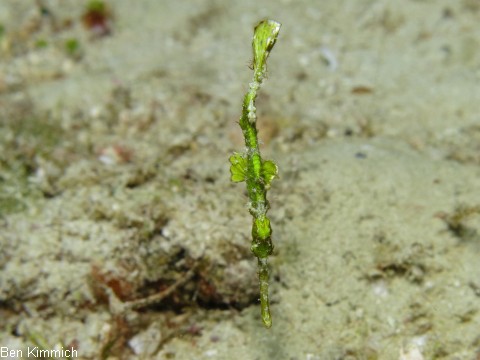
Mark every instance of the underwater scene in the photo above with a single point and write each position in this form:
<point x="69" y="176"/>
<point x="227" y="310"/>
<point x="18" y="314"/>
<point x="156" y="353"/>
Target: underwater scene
<point x="293" y="180"/>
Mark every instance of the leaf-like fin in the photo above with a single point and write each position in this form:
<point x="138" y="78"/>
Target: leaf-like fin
<point x="269" y="171"/>
<point x="238" y="168"/>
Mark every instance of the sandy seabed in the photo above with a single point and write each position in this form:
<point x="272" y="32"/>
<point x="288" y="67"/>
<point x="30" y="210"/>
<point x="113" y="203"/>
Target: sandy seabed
<point x="114" y="180"/>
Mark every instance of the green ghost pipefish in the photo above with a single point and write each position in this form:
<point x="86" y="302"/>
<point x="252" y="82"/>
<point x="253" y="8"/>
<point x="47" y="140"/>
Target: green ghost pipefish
<point x="251" y="168"/>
